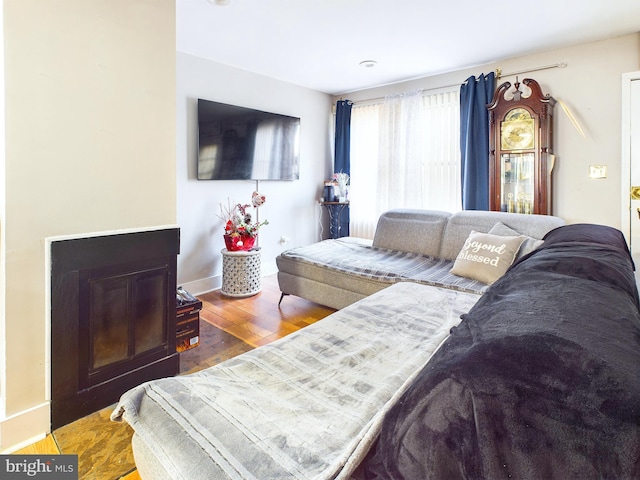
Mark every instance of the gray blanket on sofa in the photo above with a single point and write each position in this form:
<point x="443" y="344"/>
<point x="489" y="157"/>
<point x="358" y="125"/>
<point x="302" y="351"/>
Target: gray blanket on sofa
<point x="308" y="406"/>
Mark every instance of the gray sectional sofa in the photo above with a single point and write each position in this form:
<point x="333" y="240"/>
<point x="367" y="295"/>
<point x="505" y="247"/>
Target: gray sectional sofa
<point x="537" y="378"/>
<point x="409" y="245"/>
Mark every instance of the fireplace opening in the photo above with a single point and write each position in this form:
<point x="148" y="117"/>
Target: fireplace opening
<point x="113" y="318"/>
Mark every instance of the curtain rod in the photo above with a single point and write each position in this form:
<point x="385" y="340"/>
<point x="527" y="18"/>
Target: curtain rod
<point x="498" y="73"/>
<point x="375" y="99"/>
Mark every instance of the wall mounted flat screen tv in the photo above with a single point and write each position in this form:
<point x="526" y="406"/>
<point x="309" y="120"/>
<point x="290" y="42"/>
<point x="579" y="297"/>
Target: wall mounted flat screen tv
<point x="238" y="143"/>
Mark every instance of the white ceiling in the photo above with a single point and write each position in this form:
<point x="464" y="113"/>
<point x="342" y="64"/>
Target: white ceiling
<point x="319" y="43"/>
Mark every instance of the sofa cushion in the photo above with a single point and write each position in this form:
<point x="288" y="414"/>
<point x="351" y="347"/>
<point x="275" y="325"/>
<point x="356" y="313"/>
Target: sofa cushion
<point x="462" y="223"/>
<point x="354" y="266"/>
<point x="529" y="244"/>
<point x="414" y="231"/>
<point x="588" y="233"/>
<point x="486" y="257"/>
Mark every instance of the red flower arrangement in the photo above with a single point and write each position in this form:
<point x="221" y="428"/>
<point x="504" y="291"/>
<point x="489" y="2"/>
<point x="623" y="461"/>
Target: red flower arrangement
<point x="240" y="231"/>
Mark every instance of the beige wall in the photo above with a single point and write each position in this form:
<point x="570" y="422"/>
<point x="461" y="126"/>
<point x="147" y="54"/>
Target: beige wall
<point x="90" y="147"/>
<point x="590" y="86"/>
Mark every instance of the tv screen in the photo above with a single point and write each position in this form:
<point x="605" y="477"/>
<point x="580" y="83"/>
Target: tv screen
<point x="238" y="143"/>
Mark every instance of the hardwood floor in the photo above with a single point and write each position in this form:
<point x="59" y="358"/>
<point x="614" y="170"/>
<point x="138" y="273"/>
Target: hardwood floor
<point x="259" y="320"/>
<point x="228" y="327"/>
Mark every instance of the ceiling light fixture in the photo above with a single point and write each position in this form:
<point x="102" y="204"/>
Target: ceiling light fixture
<point x="368" y="63"/>
<point x="222" y="3"/>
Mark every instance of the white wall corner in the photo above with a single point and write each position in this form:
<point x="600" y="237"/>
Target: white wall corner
<point x="25" y="428"/>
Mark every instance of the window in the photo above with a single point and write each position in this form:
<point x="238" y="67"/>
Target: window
<point x="405" y="153"/>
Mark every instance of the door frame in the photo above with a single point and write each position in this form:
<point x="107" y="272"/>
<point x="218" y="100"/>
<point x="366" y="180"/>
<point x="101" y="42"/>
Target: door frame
<point x="625" y="174"/>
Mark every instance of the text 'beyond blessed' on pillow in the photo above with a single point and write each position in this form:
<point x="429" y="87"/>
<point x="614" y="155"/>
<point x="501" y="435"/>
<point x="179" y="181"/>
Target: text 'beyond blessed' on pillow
<point x="486" y="257"/>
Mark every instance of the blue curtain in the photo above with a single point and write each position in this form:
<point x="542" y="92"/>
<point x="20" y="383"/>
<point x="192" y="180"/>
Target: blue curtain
<point x="342" y="159"/>
<point x="343" y="137"/>
<point x="475" y="95"/>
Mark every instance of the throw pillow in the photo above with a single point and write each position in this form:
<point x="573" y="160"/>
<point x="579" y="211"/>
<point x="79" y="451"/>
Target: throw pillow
<point x="486" y="257"/>
<point x="529" y="244"/>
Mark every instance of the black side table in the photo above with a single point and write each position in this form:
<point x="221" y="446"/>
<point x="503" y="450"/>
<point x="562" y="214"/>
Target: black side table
<point x="335" y="211"/>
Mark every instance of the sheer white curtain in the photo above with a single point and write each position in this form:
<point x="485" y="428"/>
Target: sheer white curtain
<point x="405" y="153"/>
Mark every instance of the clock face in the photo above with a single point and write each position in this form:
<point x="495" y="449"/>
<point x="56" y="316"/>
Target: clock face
<point x="517" y="130"/>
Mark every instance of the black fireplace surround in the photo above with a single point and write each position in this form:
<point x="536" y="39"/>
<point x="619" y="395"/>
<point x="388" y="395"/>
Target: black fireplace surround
<point x="113" y="318"/>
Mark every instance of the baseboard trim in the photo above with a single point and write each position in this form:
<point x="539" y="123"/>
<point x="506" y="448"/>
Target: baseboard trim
<point x="209" y="284"/>
<point x="204" y="285"/>
<point x="24" y="428"/>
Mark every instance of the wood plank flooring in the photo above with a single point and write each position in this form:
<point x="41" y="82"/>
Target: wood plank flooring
<point x="228" y="327"/>
<point x="259" y="320"/>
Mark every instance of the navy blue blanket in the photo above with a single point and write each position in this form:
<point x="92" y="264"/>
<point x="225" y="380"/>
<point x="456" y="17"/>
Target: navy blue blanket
<point x="540" y="380"/>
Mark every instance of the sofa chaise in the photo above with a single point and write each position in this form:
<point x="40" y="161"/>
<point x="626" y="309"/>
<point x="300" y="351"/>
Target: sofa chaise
<point x="409" y="245"/>
<point x="308" y="406"/>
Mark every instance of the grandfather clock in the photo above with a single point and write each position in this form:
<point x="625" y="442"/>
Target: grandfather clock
<point x="521" y="148"/>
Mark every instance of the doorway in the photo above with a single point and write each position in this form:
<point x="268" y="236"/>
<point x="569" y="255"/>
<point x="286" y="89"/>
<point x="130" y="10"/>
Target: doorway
<point x="631" y="164"/>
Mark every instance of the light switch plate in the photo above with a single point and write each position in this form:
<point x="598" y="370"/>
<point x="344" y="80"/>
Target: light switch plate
<point x="597" y="171"/>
